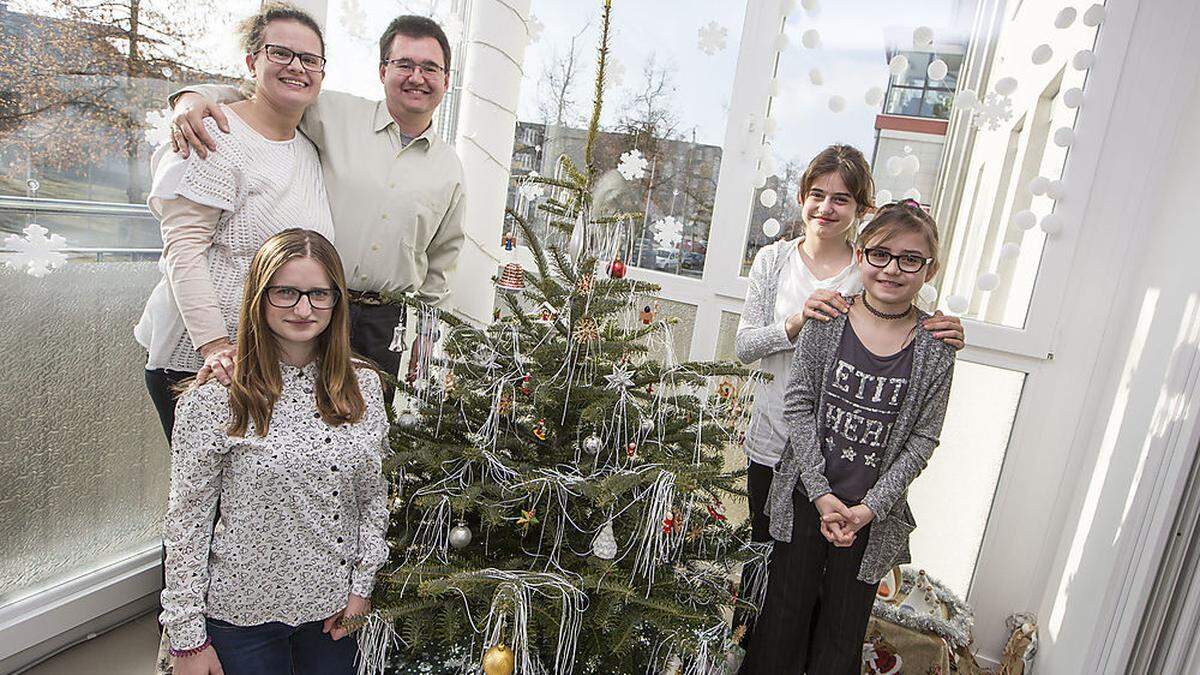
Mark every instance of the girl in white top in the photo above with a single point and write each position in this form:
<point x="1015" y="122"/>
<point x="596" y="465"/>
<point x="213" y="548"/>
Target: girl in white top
<point x="290" y="454"/>
<point x="216" y="212"/>
<point x="793" y="280"/>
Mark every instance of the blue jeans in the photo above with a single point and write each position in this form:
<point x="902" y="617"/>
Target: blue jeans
<point x="279" y="649"/>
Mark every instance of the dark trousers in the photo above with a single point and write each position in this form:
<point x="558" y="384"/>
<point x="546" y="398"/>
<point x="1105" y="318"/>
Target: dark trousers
<point x="758" y="485"/>
<point x="279" y="649"/>
<point x="160" y="383"/>
<point x="371" y="330"/>
<point x="816" y="612"/>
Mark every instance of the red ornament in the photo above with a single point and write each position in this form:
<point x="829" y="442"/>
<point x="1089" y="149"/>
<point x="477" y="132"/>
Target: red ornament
<point x="616" y="269"/>
<point x="525" y="385"/>
<point x="715" y="510"/>
<point x="631" y="450"/>
<point x="669" y="524"/>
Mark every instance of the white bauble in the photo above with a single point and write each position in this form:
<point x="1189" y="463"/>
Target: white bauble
<point x="811" y="38"/>
<point x="604" y="546"/>
<point x="1042" y="54"/>
<point x="460" y="535"/>
<point x="1083" y="59"/>
<point x="1065" y="17"/>
<point x="1056" y="190"/>
<point x="967" y="98"/>
<point x="771" y="227"/>
<point x="1010" y="251"/>
<point x="895" y="165"/>
<point x="1025" y="220"/>
<point x="912" y="164"/>
<point x="922" y="36"/>
<point x="768" y="198"/>
<point x="408" y="421"/>
<point x="988" y="281"/>
<point x="837" y="103"/>
<point x="1005" y="86"/>
<point x="957" y="304"/>
<point x="937" y="70"/>
<point x="1038" y="185"/>
<point x="1064" y="137"/>
<point x="874" y="96"/>
<point x="1052" y="224"/>
<point x="883" y="197"/>
<point x="898" y="65"/>
<point x="592" y="444"/>
<point x="816" y="77"/>
<point x="1094" y="16"/>
<point x="1073" y="97"/>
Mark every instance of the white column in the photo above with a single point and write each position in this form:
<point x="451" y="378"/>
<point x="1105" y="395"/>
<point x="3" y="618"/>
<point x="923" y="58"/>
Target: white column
<point x="498" y="33"/>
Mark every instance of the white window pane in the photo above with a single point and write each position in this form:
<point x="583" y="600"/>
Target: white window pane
<point x="951" y="499"/>
<point x="666" y="98"/>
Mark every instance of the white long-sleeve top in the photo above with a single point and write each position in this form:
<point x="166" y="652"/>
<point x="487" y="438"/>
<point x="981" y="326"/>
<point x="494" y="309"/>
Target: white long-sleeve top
<point x="303" y="510"/>
<point x="215" y="213"/>
<point x="779" y="285"/>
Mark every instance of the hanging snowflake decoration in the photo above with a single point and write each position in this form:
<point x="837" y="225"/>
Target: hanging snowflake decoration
<point x="354" y="20"/>
<point x="530" y="189"/>
<point x="668" y="232"/>
<point x="992" y="112"/>
<point x="614" y="72"/>
<point x="712" y="38"/>
<point x="633" y="165"/>
<point x="620" y="377"/>
<point x="535" y="28"/>
<point x="36" y="253"/>
<point x="158" y="127"/>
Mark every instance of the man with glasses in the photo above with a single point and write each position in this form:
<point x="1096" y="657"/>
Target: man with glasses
<point x="395" y="187"/>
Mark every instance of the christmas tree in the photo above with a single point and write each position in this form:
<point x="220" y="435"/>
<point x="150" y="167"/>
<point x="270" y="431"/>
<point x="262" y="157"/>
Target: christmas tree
<point x="557" y="486"/>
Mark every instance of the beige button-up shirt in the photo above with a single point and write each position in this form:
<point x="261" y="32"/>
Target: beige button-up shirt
<point x="397" y="209"/>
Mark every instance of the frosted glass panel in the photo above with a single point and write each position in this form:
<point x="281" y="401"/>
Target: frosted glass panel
<point x="82" y="458"/>
<point x="681" y="332"/>
<point x="951" y="499"/>
<point x="727" y="336"/>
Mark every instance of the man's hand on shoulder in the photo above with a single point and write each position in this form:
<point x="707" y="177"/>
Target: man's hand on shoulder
<point x="187" y="124"/>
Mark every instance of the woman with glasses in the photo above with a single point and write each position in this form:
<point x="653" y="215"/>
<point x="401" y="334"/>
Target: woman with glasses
<point x="290" y="453"/>
<point x="810" y="277"/>
<point x="216" y="211"/>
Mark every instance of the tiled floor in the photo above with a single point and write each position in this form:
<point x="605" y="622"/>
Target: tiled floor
<point x="127" y="650"/>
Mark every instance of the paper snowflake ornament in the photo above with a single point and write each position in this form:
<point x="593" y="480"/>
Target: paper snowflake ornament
<point x="353" y="19"/>
<point x="36" y="253"/>
<point x="712" y="37"/>
<point x="620" y="377"/>
<point x="668" y="232"/>
<point x="532" y="190"/>
<point x="632" y="165"/>
<point x="158" y="127"/>
<point x="614" y="72"/>
<point x="992" y="112"/>
<point x="535" y="28"/>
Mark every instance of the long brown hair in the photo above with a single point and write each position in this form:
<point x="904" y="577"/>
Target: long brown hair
<point x="257" y="381"/>
<point x="849" y="164"/>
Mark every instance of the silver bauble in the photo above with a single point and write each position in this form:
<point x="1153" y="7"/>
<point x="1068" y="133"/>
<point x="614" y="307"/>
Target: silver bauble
<point x="408" y="421"/>
<point x="646" y="426"/>
<point x="460" y="535"/>
<point x="592" y="444"/>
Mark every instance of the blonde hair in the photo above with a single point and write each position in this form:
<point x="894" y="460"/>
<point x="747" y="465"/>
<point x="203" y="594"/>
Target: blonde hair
<point x="257" y="381"/>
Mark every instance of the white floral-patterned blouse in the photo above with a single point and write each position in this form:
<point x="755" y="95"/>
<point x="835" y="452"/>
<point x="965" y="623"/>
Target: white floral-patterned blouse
<point x="303" y="510"/>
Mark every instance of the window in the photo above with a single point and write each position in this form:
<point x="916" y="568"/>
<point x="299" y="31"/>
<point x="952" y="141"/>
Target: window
<point x="914" y="94"/>
<point x="667" y="98"/>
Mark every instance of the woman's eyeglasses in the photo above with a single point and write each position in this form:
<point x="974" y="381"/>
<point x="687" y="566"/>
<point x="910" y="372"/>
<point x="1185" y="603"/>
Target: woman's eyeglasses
<point x="284" y="57"/>
<point x="286" y="297"/>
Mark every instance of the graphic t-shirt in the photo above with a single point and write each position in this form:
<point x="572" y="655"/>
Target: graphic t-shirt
<point x="862" y="399"/>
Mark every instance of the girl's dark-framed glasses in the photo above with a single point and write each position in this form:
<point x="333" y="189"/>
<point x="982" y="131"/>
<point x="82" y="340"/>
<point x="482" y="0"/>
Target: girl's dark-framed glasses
<point x="286" y="297"/>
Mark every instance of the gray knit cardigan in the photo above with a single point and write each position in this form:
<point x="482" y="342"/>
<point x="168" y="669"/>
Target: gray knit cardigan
<point x="912" y="441"/>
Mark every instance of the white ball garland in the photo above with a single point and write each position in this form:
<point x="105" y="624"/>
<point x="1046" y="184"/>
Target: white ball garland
<point x="874" y="96"/>
<point x="1042" y="54"/>
<point x="768" y="198"/>
<point x="898" y="65"/>
<point x="957" y="304"/>
<point x="1094" y="15"/>
<point x="1005" y="86"/>
<point x="837" y="103"/>
<point x="1025" y="220"/>
<point x="771" y="227"/>
<point x="922" y="36"/>
<point x="1065" y="17"/>
<point x="811" y="38"/>
<point x="1052" y="224"/>
<point x="1010" y="251"/>
<point x="937" y="70"/>
<point x="1083" y="59"/>
<point x="816" y="77"/>
<point x="1038" y="185"/>
<point x="967" y="98"/>
<point x="988" y="281"/>
<point x="1073" y="97"/>
<point x="1055" y="190"/>
<point x="1064" y="137"/>
<point x="883" y="197"/>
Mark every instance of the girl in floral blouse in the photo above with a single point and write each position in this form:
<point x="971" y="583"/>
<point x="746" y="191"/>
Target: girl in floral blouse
<point x="292" y="450"/>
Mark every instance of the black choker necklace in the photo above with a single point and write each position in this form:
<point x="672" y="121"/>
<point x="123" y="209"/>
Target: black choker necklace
<point x="884" y="315"/>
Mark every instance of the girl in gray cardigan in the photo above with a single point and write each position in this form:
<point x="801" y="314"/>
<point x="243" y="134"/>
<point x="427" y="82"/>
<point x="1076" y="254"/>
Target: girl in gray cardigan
<point x="863" y="407"/>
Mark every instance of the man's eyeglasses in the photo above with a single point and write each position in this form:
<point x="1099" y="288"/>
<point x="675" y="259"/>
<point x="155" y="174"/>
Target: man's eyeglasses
<point x="286" y="297"/>
<point x="407" y="67"/>
<point x="881" y="258"/>
<point x="284" y="57"/>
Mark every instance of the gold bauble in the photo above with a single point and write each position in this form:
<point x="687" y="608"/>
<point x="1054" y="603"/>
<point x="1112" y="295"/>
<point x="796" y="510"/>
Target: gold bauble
<point x="498" y="660"/>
